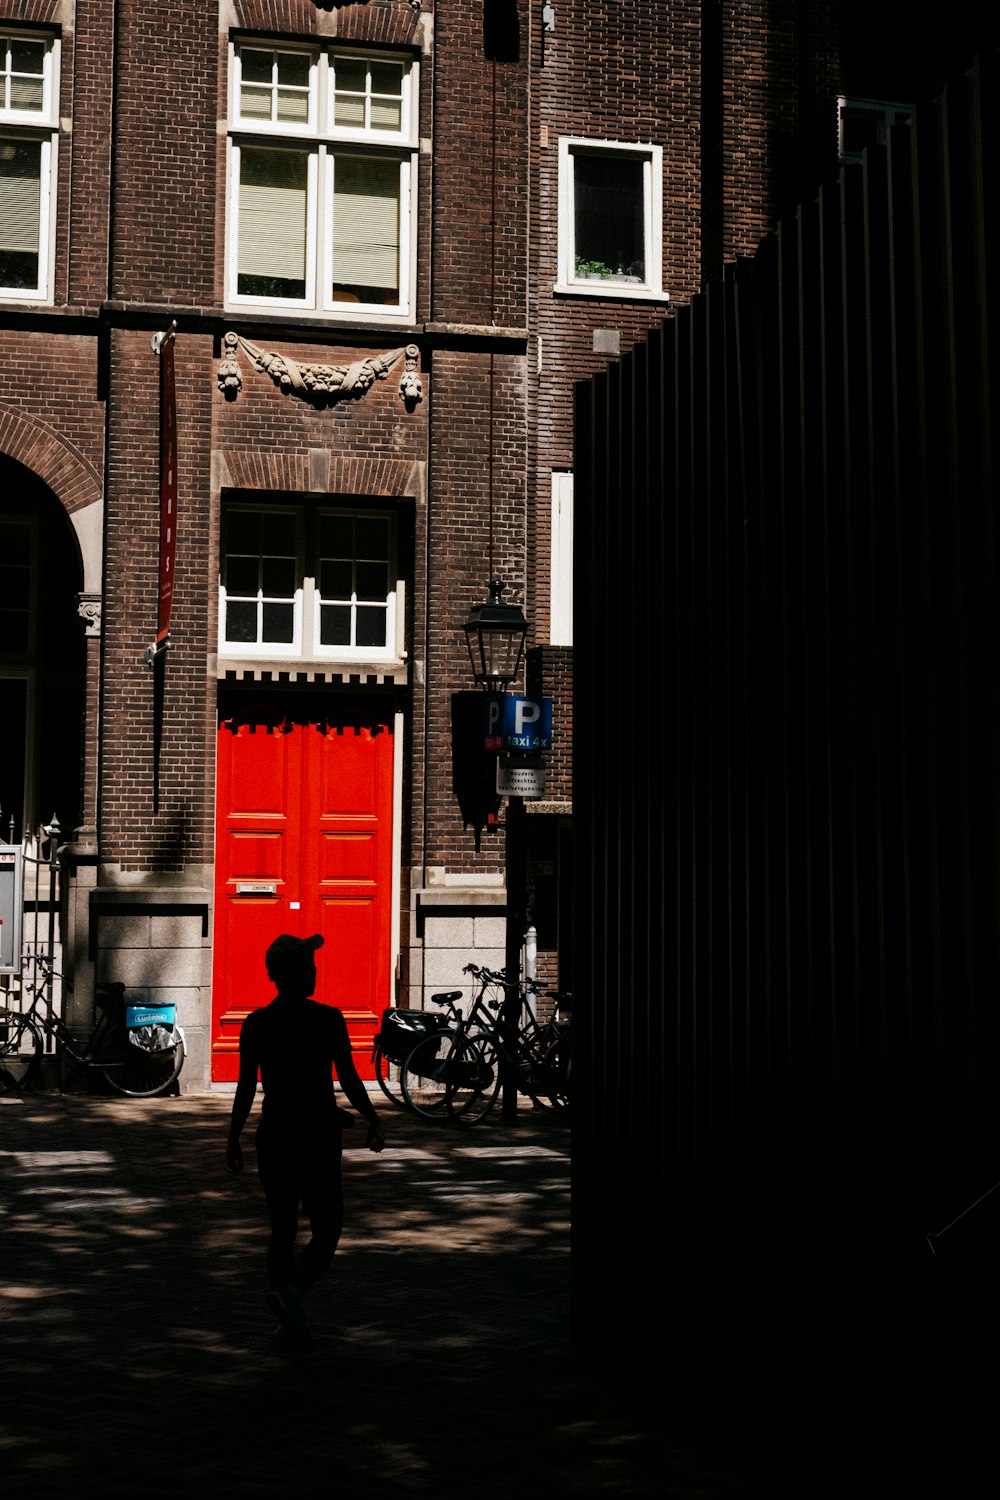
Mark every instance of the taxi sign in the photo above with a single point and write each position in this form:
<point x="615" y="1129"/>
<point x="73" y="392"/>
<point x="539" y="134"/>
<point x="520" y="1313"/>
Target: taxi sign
<point x="514" y="722"/>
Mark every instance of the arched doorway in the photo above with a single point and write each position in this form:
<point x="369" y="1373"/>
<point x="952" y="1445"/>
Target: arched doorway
<point x="42" y="657"/>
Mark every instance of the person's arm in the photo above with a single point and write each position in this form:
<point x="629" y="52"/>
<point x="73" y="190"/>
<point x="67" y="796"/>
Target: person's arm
<point x="350" y="1082"/>
<point x="246" y="1088"/>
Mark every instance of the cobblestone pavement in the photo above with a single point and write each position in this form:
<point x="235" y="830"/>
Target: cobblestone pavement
<point x="137" y="1354"/>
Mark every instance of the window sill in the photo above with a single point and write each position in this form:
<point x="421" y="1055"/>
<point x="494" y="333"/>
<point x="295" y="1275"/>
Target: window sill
<point x="343" y="312"/>
<point x="609" y="290"/>
<point x="15" y="297"/>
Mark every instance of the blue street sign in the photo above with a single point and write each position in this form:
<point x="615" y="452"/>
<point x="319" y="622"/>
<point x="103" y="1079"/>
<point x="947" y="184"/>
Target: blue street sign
<point x="516" y="723"/>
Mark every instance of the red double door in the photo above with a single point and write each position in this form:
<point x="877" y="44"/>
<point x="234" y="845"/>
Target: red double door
<point x="303" y="844"/>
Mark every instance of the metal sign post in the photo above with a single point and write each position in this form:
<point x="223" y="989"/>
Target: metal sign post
<point x="516" y="877"/>
<point x="519" y="728"/>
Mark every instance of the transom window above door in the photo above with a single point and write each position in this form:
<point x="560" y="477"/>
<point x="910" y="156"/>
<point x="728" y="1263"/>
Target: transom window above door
<point x="322" y="167"/>
<point x="299" y="583"/>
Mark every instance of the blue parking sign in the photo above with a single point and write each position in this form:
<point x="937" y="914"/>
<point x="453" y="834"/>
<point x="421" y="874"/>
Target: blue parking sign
<point x="517" y="723"/>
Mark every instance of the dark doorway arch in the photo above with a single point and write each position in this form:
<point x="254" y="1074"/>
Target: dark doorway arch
<point x="42" y="657"/>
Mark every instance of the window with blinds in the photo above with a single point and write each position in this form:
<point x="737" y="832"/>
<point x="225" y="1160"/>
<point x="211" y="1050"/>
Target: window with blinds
<point x="320" y="211"/>
<point x="365" y="229"/>
<point x="274" y="219"/>
<point x="28" y="127"/>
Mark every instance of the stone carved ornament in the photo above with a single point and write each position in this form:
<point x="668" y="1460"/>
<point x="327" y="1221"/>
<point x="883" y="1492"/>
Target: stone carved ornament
<point x="89" y="609"/>
<point x="320" y="385"/>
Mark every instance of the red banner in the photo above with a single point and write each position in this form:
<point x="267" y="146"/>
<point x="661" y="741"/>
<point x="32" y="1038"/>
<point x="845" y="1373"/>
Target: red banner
<point x="168" y="489"/>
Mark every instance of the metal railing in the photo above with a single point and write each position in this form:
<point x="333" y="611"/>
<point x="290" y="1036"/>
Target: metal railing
<point x="38" y="924"/>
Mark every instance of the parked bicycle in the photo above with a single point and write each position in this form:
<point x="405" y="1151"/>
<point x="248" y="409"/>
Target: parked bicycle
<point x="457" y="1071"/>
<point x="398" y="1034"/>
<point x="138" y="1049"/>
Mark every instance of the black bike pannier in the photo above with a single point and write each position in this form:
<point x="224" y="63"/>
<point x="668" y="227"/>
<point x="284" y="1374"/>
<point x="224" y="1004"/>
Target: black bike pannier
<point x="403" y="1029"/>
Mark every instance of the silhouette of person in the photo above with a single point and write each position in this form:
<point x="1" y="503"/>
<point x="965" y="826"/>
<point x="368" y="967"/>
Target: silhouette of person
<point x="294" y="1044"/>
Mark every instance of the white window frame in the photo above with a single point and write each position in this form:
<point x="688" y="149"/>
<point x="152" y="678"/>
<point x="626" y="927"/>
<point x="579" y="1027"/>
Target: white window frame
<point x="308" y="302"/>
<point x="326" y="141"/>
<point x="252" y="123"/>
<point x="650" y="288"/>
<point x="40" y="126"/>
<point x="306" y="644"/>
<point x="394" y="599"/>
<point x="267" y="649"/>
<point x="561" y="583"/>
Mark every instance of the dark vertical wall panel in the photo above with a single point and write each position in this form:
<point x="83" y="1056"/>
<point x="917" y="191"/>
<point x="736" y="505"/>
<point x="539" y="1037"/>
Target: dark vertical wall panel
<point x="790" y="876"/>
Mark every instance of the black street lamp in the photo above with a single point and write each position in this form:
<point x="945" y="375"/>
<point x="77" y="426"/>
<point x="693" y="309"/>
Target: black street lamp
<point x="494" y="634"/>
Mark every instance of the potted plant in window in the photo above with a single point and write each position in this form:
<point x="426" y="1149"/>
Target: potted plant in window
<point x="592" y="270"/>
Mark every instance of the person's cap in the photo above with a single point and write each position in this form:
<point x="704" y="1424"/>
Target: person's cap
<point x="288" y="949"/>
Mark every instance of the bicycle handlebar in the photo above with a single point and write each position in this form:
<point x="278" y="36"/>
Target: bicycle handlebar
<point x="498" y="976"/>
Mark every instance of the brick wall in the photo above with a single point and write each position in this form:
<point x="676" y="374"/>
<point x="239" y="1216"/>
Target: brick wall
<point x="79" y="384"/>
<point x="84" y="204"/>
<point x="480" y="178"/>
<point x="465" y="384"/>
<point x="133" y="836"/>
<point x="51" y="417"/>
<point x="165" y="155"/>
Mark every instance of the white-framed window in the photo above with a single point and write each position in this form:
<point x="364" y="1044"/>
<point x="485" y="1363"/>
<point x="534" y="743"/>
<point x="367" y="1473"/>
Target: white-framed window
<point x="355" y="594"/>
<point x="316" y="584"/>
<point x="610" y="218"/>
<point x="262" y="577"/>
<point x="322" y="176"/>
<point x="29" y="123"/>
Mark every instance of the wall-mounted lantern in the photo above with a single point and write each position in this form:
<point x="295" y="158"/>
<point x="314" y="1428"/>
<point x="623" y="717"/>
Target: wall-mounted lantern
<point x="494" y="633"/>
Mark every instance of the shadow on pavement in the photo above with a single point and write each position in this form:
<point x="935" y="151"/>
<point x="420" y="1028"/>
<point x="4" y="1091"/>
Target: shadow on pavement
<point x="138" y="1349"/>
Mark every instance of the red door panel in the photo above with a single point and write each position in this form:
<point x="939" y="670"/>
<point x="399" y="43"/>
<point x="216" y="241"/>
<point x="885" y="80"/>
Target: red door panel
<point x="348" y="856"/>
<point x="303" y="844"/>
<point x="351" y="929"/>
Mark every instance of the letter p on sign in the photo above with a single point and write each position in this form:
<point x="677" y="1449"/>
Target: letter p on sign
<point x="526" y="711"/>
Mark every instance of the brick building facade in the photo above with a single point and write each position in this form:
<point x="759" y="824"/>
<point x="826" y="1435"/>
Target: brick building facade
<point x="427" y="221"/>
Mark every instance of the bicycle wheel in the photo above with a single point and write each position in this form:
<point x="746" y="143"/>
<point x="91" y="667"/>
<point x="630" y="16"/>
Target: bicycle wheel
<point x="544" y="1074"/>
<point x="426" y="1073"/>
<point x="135" y="1060"/>
<point x="390" y="1078"/>
<point x="474" y="1079"/>
<point x="20" y="1051"/>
